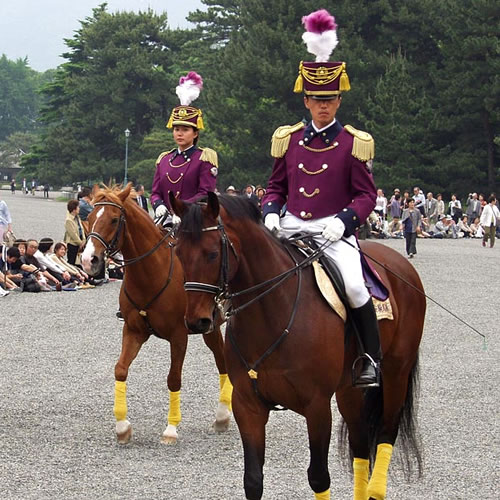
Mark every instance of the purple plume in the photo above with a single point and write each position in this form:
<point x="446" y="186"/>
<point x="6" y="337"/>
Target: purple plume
<point x="194" y="77"/>
<point x="319" y="21"/>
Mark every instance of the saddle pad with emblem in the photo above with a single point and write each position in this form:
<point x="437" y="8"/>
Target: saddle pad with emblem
<point x="383" y="309"/>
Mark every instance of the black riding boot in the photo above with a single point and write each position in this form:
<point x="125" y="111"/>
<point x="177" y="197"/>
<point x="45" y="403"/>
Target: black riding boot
<point x="366" y="323"/>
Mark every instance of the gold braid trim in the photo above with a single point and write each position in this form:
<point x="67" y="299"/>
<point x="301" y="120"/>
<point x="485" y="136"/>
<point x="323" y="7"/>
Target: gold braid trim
<point x="281" y="139"/>
<point x="165" y="153"/>
<point x="363" y="146"/>
<point x="209" y="155"/>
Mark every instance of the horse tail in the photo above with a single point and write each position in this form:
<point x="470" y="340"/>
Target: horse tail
<point x="408" y="444"/>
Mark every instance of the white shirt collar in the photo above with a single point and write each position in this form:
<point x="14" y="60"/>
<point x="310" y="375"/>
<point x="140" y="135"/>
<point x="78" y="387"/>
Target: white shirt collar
<point x="324" y="128"/>
<point x="187" y="149"/>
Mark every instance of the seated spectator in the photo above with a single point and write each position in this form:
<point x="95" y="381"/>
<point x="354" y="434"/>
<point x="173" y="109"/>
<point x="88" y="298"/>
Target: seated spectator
<point x="30" y="263"/>
<point x="425" y="230"/>
<point x="8" y="256"/>
<point x="477" y="229"/>
<point x="396" y="229"/>
<point x="77" y="274"/>
<point x="74" y="236"/>
<point x="43" y="256"/>
<point x="464" y="229"/>
<point x="446" y="227"/>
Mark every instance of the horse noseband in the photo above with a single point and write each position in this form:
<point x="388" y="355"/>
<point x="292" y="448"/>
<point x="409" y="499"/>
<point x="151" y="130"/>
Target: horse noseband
<point x="110" y="247"/>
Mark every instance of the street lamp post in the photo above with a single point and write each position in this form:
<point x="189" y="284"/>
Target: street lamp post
<point x="127" y="135"/>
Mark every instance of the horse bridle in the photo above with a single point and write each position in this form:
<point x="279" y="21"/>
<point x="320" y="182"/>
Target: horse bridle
<point x="221" y="290"/>
<point x="111" y="249"/>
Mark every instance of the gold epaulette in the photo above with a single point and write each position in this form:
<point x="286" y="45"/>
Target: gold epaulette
<point x="363" y="146"/>
<point x="165" y="153"/>
<point x="209" y="155"/>
<point x="281" y="139"/>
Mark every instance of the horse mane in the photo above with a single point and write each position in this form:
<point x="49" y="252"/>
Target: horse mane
<point x="112" y="193"/>
<point x="237" y="207"/>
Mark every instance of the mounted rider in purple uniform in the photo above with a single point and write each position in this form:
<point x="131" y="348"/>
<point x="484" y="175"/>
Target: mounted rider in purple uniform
<point x="320" y="171"/>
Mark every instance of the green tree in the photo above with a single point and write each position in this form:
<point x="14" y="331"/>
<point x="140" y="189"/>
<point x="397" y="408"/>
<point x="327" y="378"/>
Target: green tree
<point x="114" y="78"/>
<point x="18" y="98"/>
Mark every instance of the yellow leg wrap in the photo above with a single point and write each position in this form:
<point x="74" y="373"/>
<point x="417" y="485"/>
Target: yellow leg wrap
<point x="361" y="469"/>
<point x="322" y="496"/>
<point x="120" y="408"/>
<point x="174" y="411"/>
<point x="377" y="486"/>
<point x="226" y="390"/>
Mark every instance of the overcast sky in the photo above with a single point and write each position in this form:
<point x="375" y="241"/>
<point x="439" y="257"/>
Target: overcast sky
<point x="36" y="28"/>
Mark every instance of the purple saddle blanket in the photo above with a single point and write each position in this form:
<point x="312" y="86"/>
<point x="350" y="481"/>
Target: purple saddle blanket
<point x="373" y="281"/>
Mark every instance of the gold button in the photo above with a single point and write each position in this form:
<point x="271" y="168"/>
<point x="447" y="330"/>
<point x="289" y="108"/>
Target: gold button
<point x="324" y="166"/>
<point x="301" y="143"/>
<point x="301" y="190"/>
<point x="327" y="140"/>
<point x="324" y="133"/>
<point x="301" y="165"/>
<point x="312" y="133"/>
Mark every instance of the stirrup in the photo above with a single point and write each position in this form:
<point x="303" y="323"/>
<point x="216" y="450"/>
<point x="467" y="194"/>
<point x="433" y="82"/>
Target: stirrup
<point x="355" y="377"/>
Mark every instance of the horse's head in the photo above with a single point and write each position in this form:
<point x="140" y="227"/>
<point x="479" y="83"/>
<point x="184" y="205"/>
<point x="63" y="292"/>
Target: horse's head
<point x="208" y="255"/>
<point x="107" y="227"/>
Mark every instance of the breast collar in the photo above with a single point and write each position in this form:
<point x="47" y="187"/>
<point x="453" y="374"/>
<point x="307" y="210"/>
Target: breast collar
<point x="327" y="136"/>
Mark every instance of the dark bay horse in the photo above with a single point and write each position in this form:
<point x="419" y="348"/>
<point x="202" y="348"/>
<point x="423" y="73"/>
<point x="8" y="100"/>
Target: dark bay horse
<point x="152" y="301"/>
<point x="288" y="347"/>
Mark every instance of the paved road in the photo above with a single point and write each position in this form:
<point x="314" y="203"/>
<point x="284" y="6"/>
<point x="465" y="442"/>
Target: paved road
<point x="56" y="394"/>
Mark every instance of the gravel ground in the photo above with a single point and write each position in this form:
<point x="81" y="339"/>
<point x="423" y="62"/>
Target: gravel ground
<point x="58" y="352"/>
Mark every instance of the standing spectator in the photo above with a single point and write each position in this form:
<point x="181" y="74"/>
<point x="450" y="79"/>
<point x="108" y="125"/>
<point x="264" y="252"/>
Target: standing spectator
<point x="395" y="208"/>
<point x="440" y="206"/>
<point x="411" y="220"/>
<point x="405" y="199"/>
<point x="86" y="207"/>
<point x="231" y="191"/>
<point x="418" y="196"/>
<point x="473" y="207"/>
<point x="142" y="201"/>
<point x="46" y="189"/>
<point x="33" y="187"/>
<point x="483" y="202"/>
<point x="5" y="219"/>
<point x="455" y="208"/>
<point x="25" y="187"/>
<point x="396" y="191"/>
<point x="430" y="210"/>
<point x="74" y="237"/>
<point x="260" y="192"/>
<point x="381" y="204"/>
<point x="13" y="186"/>
<point x="249" y="193"/>
<point x="489" y="219"/>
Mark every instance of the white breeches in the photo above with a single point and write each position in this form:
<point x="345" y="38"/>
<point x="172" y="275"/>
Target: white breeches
<point x="345" y="256"/>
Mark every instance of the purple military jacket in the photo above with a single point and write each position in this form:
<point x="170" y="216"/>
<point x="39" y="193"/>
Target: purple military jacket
<point x="317" y="175"/>
<point x="190" y="175"/>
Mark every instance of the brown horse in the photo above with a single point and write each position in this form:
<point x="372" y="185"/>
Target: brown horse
<point x="288" y="347"/>
<point x="152" y="300"/>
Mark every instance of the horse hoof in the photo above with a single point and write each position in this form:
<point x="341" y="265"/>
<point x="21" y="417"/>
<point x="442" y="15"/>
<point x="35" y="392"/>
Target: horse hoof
<point x="221" y="425"/>
<point x="123" y="431"/>
<point x="169" y="435"/>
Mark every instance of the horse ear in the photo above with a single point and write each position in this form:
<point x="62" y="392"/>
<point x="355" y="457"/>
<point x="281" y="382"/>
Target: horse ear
<point x="124" y="194"/>
<point x="178" y="206"/>
<point x="213" y="204"/>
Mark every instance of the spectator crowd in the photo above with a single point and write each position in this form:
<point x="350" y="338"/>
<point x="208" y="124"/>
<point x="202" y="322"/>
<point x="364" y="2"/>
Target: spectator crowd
<point x="35" y="266"/>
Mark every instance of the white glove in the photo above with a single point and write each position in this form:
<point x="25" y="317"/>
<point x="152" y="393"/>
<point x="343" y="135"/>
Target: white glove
<point x="334" y="230"/>
<point x="272" y="222"/>
<point x="160" y="211"/>
<point x="175" y="220"/>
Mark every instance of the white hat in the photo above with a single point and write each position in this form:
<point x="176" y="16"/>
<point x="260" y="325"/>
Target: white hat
<point x="230" y="188"/>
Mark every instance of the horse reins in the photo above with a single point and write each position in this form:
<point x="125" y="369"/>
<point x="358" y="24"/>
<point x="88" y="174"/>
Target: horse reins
<point x="222" y="294"/>
<point x="110" y="248"/>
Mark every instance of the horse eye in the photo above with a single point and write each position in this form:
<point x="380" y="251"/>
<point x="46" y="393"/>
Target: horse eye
<point x="212" y="255"/>
<point x="114" y="220"/>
